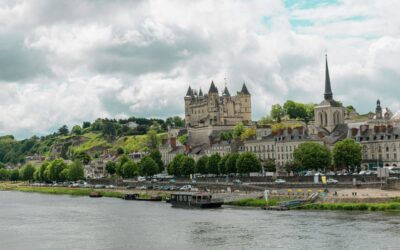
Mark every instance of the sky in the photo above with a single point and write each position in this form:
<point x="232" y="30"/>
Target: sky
<point x="69" y="61"/>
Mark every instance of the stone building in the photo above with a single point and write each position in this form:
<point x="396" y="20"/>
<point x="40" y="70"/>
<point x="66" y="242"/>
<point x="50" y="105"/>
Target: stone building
<point x="329" y="113"/>
<point x="202" y="110"/>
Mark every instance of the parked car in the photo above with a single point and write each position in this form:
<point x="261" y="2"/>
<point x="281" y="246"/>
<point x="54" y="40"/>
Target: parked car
<point x="236" y="182"/>
<point x="172" y="181"/>
<point x="280" y="181"/>
<point x="142" y="187"/>
<point x="186" y="188"/>
<point x="332" y="181"/>
<point x="141" y="178"/>
<point x="110" y="186"/>
<point x="99" y="186"/>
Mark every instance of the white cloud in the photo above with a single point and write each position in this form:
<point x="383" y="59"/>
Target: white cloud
<point x="125" y="58"/>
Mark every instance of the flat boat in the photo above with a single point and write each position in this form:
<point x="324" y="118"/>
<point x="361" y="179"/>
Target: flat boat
<point x="136" y="197"/>
<point x="194" y="200"/>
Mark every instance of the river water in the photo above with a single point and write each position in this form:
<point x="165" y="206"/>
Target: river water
<point x="39" y="221"/>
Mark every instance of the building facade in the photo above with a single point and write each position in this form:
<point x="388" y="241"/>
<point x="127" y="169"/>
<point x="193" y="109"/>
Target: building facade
<point x="203" y="110"/>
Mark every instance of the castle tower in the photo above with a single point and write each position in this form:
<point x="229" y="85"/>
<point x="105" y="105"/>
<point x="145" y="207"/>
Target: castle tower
<point x="213" y="104"/>
<point x="188" y="98"/>
<point x="245" y="100"/>
<point x="378" y="110"/>
<point x="329" y="113"/>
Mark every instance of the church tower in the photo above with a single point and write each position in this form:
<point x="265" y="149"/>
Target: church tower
<point x="329" y="113"/>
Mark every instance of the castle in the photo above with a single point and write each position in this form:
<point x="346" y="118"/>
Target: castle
<point x="211" y="109"/>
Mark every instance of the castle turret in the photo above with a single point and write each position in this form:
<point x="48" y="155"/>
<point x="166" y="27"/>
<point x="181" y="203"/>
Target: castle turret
<point x="245" y="100"/>
<point x="188" y="99"/>
<point x="378" y="110"/>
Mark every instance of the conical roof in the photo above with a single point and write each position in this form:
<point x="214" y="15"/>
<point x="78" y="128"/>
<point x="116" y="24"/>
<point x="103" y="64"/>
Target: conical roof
<point x="244" y="89"/>
<point x="328" y="91"/>
<point x="226" y="92"/>
<point x="200" y="92"/>
<point x="189" y="92"/>
<point x="213" y="89"/>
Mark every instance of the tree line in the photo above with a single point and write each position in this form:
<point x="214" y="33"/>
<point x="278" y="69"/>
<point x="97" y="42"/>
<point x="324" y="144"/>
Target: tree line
<point x="345" y="154"/>
<point x="49" y="171"/>
<point x="231" y="163"/>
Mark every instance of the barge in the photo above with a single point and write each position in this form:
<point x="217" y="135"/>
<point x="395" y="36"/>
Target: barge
<point x="194" y="200"/>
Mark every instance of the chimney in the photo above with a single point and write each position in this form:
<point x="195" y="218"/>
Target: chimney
<point x="172" y="141"/>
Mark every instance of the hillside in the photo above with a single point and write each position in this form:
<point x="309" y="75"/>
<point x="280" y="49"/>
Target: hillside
<point x="93" y="139"/>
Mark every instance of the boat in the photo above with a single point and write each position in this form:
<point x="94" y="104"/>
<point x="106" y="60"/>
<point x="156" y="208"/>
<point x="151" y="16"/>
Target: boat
<point x="194" y="200"/>
<point x="95" y="195"/>
<point x="137" y="197"/>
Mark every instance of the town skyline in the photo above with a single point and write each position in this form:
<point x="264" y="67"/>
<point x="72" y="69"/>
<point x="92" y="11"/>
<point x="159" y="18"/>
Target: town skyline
<point x="55" y="66"/>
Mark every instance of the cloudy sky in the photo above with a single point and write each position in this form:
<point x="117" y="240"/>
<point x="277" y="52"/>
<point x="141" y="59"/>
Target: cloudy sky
<point x="64" y="62"/>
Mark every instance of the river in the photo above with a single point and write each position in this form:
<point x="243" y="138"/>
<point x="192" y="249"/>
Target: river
<point x="39" y="221"/>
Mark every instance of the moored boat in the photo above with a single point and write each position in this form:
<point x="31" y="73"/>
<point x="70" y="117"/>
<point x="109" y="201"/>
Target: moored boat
<point x="194" y="200"/>
<point x="137" y="197"/>
<point x="95" y="195"/>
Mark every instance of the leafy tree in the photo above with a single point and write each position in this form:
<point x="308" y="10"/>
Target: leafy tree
<point x="222" y="164"/>
<point x="83" y="157"/>
<point x="183" y="139"/>
<point x="54" y="170"/>
<point x="226" y="136"/>
<point x="64" y="174"/>
<point x="174" y="166"/>
<point x="238" y="130"/>
<point x="111" y="167"/>
<point x="299" y="110"/>
<point x="41" y="176"/>
<point x="277" y="112"/>
<point x="63" y="130"/>
<point x="212" y="164"/>
<point x="86" y="125"/>
<point x="270" y="165"/>
<point x="120" y="151"/>
<point x="187" y="166"/>
<point x="156" y="156"/>
<point x="14" y="175"/>
<point x="293" y="166"/>
<point x="4" y="174"/>
<point x="120" y="163"/>
<point x="108" y="128"/>
<point x="130" y="169"/>
<point x="27" y="172"/>
<point x="347" y="154"/>
<point x="248" y="162"/>
<point x="201" y="165"/>
<point x="175" y="121"/>
<point x="76" y="130"/>
<point x="152" y="139"/>
<point x="266" y="120"/>
<point x="230" y="163"/>
<point x="148" y="167"/>
<point x="2" y="165"/>
<point x="248" y="133"/>
<point x="312" y="155"/>
<point x="75" y="171"/>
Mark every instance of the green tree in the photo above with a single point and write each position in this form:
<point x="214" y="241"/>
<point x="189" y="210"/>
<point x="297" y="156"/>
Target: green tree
<point x="2" y="165"/>
<point x="347" y="154"/>
<point x="130" y="169"/>
<point x="53" y="171"/>
<point x="175" y="121"/>
<point x="201" y="165"/>
<point x="111" y="167"/>
<point x="226" y="136"/>
<point x="183" y="139"/>
<point x="293" y="166"/>
<point x="14" y="175"/>
<point x="277" y="112"/>
<point x="248" y="133"/>
<point x="222" y="164"/>
<point x="174" y="166"/>
<point x="4" y="174"/>
<point x="120" y="163"/>
<point x="148" y="167"/>
<point x="248" y="162"/>
<point x="212" y="164"/>
<point x="270" y="165"/>
<point x="238" y="130"/>
<point x="86" y="125"/>
<point x="230" y="163"/>
<point x="108" y="129"/>
<point x="152" y="139"/>
<point x="312" y="155"/>
<point x="75" y="171"/>
<point x="63" y="130"/>
<point x="41" y="176"/>
<point x="187" y="166"/>
<point x="76" y="130"/>
<point x="156" y="156"/>
<point x="27" y="172"/>
<point x="64" y="174"/>
<point x="267" y="120"/>
<point x="83" y="157"/>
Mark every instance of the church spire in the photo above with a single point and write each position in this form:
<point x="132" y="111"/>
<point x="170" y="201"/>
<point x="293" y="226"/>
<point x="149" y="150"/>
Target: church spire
<point x="328" y="91"/>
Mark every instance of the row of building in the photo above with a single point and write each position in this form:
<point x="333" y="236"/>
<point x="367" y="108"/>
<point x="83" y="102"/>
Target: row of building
<point x="209" y="115"/>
